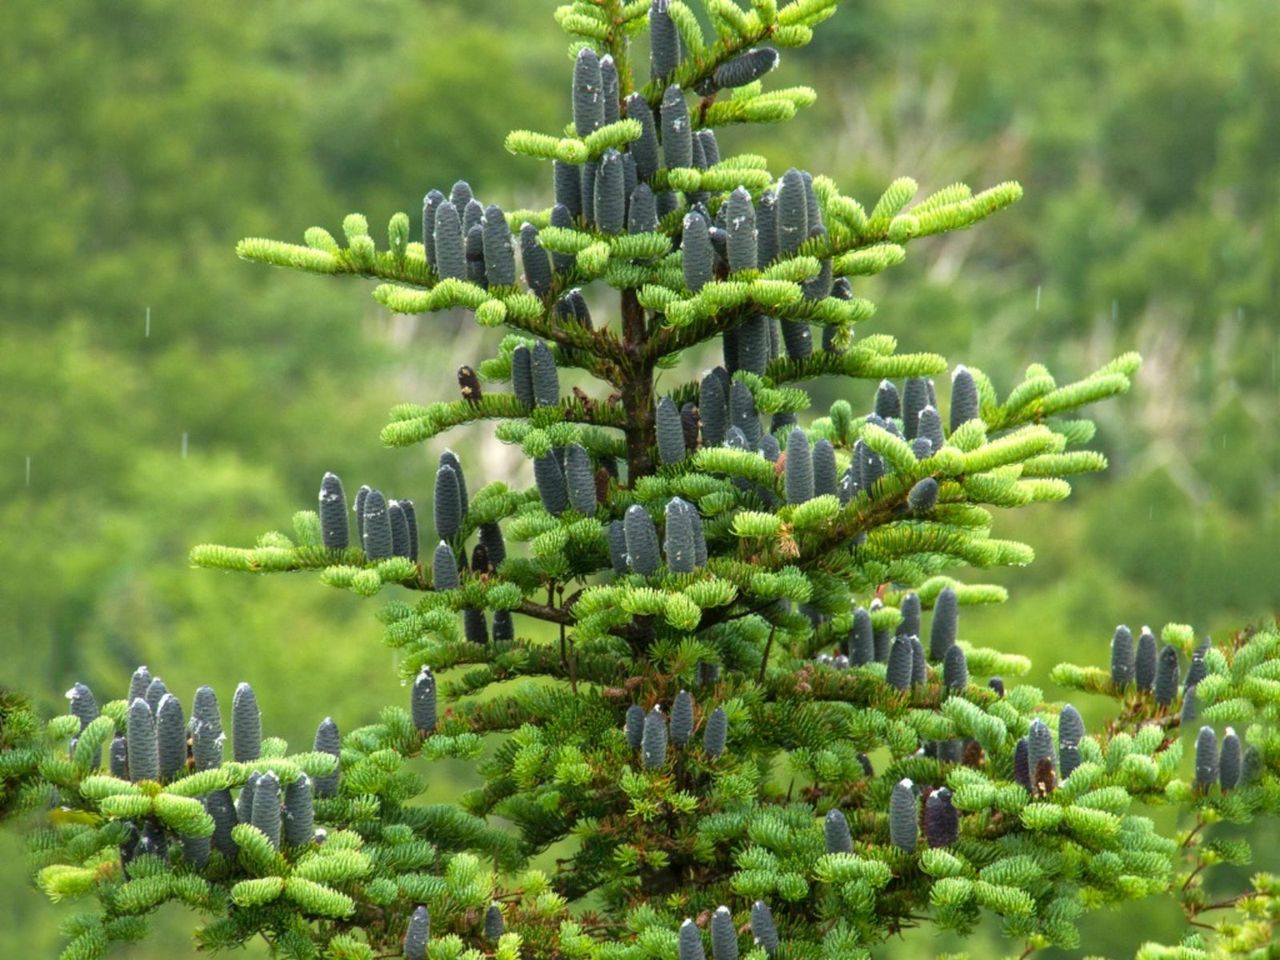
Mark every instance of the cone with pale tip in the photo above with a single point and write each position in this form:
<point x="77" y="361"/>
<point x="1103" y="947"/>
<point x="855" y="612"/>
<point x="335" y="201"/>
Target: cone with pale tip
<point x="653" y="740"/>
<point x="422" y="702"/>
<point x="1022" y="763"/>
<point x="1039" y="743"/>
<point x="670" y="432"/>
<point x="930" y="427"/>
<point x="156" y="691"/>
<point x="799" y="467"/>
<point x="682" y="718"/>
<point x="941" y="819"/>
<point x="690" y="942"/>
<point x="580" y="479"/>
<point x="545" y="376"/>
<point x="246" y="725"/>
<point x="610" y="209"/>
<point x="537" y="268"/>
<point x="792" y="212"/>
<point x="633" y="726"/>
<point x="724" y="935"/>
<point x="549" y="478"/>
<point x="697" y="255"/>
<point x="1206" y="763"/>
<point x="740" y="222"/>
<point x="763" y="928"/>
<point x="444" y="568"/>
<point x="1196" y="671"/>
<point x="1144" y="661"/>
<point x="910" y="609"/>
<point x="899" y="670"/>
<point x="945" y="626"/>
<point x="299" y="812"/>
<point x="680" y="545"/>
<point x="417" y="935"/>
<point x="824" y="468"/>
<point x="836" y="833"/>
<point x="450" y="252"/>
<point x="862" y="638"/>
<point x="1166" y="679"/>
<point x="716" y="733"/>
<point x="643" y="556"/>
<point x="399" y="529"/>
<point x="677" y="131"/>
<point x="376" y="527"/>
<point x="567" y="187"/>
<point x="171" y="737"/>
<point x="430" y="204"/>
<point x="869" y="465"/>
<point x="266" y="807"/>
<point x="333" y="513"/>
<point x="642" y="212"/>
<point x="460" y="194"/>
<point x="903" y="828"/>
<point x="664" y="42"/>
<point x="914" y="399"/>
<point x="140" y="739"/>
<point x="923" y="496"/>
<point x="83" y="706"/>
<point x="1122" y="664"/>
<point x="327" y="741"/>
<point x="888" y="404"/>
<point x="522" y="374"/>
<point x="494" y="926"/>
<point x="1070" y="725"/>
<point x="745" y="68"/>
<point x="713" y="408"/>
<point x="964" y="397"/>
<point x="118" y="758"/>
<point x="588" y="93"/>
<point x="494" y="544"/>
<point x="1229" y="757"/>
<point x="206" y="729"/>
<point x="645" y="148"/>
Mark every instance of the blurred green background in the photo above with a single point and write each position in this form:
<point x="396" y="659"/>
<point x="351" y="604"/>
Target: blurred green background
<point x="159" y="393"/>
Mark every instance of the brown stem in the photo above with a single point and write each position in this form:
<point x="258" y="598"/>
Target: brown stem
<point x="637" y="389"/>
<point x="764" y="662"/>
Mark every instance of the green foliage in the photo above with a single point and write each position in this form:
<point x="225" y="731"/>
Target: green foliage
<point x="761" y="615"/>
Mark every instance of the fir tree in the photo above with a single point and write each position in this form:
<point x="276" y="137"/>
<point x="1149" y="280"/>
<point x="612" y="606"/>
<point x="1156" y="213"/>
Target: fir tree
<point x="718" y="601"/>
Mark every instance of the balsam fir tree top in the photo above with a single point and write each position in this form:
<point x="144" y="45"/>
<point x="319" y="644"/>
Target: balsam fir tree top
<point x="746" y="729"/>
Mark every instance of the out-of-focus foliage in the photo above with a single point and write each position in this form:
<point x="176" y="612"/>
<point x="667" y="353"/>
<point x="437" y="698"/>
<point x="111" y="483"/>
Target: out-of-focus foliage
<point x="140" y="140"/>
